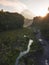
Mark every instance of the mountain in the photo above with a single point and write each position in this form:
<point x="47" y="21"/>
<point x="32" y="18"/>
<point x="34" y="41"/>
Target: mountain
<point x="28" y="17"/>
<point x="27" y="14"/>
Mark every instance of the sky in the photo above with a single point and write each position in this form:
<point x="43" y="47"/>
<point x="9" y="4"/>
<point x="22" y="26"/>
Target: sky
<point x="37" y="7"/>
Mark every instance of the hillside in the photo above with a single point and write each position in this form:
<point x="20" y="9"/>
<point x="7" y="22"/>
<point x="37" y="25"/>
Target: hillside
<point x="9" y="21"/>
<point x="43" y="24"/>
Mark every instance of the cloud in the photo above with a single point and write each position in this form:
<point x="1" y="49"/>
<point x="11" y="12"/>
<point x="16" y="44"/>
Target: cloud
<point x="17" y="5"/>
<point x="7" y="2"/>
<point x="6" y="8"/>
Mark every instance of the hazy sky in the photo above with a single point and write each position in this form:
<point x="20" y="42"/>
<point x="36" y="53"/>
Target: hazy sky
<point x="38" y="7"/>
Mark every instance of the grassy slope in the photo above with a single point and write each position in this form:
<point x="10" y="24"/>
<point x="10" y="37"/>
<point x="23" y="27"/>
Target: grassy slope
<point x="11" y="43"/>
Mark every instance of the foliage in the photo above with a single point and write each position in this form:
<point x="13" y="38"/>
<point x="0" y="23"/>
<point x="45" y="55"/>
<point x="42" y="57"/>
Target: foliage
<point x="15" y="39"/>
<point x="10" y="21"/>
<point x="12" y="42"/>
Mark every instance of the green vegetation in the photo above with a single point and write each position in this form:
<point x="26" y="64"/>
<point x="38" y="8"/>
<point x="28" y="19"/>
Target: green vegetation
<point x="9" y="21"/>
<point x="9" y="36"/>
<point x="13" y="41"/>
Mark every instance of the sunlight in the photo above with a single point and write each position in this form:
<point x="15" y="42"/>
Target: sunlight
<point x="42" y="13"/>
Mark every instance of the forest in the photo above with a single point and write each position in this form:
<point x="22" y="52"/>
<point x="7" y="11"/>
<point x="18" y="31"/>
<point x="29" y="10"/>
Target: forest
<point x="9" y="21"/>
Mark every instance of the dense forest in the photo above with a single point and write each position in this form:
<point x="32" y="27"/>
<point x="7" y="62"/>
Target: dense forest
<point x="9" y="21"/>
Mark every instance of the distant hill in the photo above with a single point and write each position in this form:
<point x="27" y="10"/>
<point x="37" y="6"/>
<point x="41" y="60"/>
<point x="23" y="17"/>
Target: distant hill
<point x="28" y="22"/>
<point x="28" y="17"/>
<point x="27" y="14"/>
<point x="10" y="21"/>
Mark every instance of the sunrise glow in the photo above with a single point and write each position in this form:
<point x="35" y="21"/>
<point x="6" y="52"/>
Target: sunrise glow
<point x="41" y="12"/>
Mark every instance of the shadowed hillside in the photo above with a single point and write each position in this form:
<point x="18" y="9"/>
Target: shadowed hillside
<point x="9" y="21"/>
<point x="43" y="24"/>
